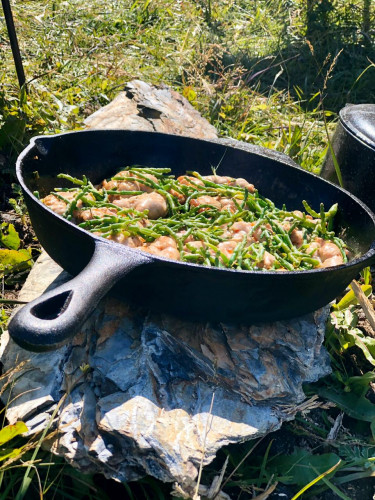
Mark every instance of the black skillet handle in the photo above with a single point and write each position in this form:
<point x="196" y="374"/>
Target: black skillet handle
<point x="49" y="321"/>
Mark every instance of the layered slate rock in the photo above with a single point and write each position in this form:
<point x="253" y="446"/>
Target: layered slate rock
<point x="148" y="393"/>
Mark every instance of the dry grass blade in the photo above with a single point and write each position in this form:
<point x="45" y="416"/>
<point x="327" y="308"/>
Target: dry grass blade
<point x="333" y="433"/>
<point x="240" y="463"/>
<point x="365" y="304"/>
<point x="206" y="431"/>
<point x="267" y="493"/>
<point x="308" y="405"/>
<point x="216" y="483"/>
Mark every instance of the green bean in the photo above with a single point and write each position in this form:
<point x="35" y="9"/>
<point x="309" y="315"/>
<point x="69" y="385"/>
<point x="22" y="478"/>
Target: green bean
<point x="340" y="244"/>
<point x="74" y="180"/>
<point x="309" y="210"/>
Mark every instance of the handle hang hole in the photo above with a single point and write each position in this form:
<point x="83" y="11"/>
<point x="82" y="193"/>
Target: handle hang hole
<point x="53" y="307"/>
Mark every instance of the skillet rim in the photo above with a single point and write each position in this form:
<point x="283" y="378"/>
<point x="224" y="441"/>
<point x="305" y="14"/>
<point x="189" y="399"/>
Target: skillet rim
<point x="353" y="263"/>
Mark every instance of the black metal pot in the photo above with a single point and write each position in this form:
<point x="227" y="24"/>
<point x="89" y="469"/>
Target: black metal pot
<point x="158" y="283"/>
<point x="354" y="147"/>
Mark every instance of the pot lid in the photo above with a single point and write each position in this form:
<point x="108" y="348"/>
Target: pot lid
<point x="359" y="119"/>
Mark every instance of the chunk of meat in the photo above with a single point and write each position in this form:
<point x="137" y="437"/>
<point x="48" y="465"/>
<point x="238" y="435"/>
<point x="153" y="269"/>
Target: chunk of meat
<point x="227" y="247"/>
<point x="182" y="234"/>
<point x="230" y="181"/>
<point x="129" y="241"/>
<point x="219" y="179"/>
<point x="180" y="197"/>
<point x="257" y="233"/>
<point x="331" y="253"/>
<point x="153" y="202"/>
<point x="187" y="180"/>
<point x="267" y="261"/>
<point x="205" y="200"/>
<point x="164" y="246"/>
<point x="227" y="204"/>
<point x="312" y="249"/>
<point x="326" y="251"/>
<point x="336" y="260"/>
<point x="243" y="183"/>
<point x="296" y="237"/>
<point x="58" y="205"/>
<point x="239" y="229"/>
<point x="241" y="226"/>
<point x="190" y="245"/>
<point x="128" y="185"/>
<point x="298" y="213"/>
<point x="93" y="213"/>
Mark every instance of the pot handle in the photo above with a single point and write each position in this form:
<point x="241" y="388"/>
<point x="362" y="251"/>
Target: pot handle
<point x="49" y="321"/>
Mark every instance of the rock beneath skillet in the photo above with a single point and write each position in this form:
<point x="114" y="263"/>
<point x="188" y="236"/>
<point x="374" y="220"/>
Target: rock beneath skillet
<point x="147" y="393"/>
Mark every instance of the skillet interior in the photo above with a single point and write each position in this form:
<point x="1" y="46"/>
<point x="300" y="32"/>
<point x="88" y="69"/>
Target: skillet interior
<point x="184" y="288"/>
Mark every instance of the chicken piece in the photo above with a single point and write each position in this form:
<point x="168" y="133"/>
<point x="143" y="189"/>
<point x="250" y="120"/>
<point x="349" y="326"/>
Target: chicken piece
<point x="153" y="202"/>
<point x="336" y="260"/>
<point x="227" y="247"/>
<point x="243" y="183"/>
<point x="230" y="181"/>
<point x="182" y="235"/>
<point x="312" y="249"/>
<point x="127" y="185"/>
<point x="189" y="245"/>
<point x="238" y="230"/>
<point x="228" y="204"/>
<point x="267" y="261"/>
<point x="180" y="197"/>
<point x="329" y="251"/>
<point x="241" y="226"/>
<point x="129" y="241"/>
<point x="197" y="244"/>
<point x="296" y="237"/>
<point x="187" y="180"/>
<point x="298" y="213"/>
<point x="219" y="179"/>
<point x="164" y="246"/>
<point x="93" y="213"/>
<point x="257" y="233"/>
<point x="56" y="204"/>
<point x="205" y="200"/>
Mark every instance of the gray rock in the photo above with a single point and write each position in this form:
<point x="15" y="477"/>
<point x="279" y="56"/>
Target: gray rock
<point x="153" y="109"/>
<point x="152" y="394"/>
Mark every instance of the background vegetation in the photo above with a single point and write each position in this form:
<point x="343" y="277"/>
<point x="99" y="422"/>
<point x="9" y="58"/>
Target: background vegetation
<point x="273" y="73"/>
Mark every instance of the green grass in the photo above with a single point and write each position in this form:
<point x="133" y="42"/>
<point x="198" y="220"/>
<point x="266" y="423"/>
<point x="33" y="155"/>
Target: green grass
<point x="77" y="56"/>
<point x="267" y="72"/>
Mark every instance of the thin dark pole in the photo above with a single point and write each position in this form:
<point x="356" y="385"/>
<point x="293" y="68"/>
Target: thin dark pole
<point x="13" y="42"/>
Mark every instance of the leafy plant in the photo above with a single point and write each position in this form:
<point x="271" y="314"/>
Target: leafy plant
<point x="12" y="258"/>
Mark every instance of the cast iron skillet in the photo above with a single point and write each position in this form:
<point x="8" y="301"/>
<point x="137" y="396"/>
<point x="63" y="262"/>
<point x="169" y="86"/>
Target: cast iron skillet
<point x="178" y="288"/>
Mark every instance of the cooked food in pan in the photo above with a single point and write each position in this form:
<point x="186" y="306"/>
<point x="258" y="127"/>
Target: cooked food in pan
<point x="209" y="220"/>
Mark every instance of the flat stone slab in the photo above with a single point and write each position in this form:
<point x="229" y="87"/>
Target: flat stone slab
<point x="151" y="394"/>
